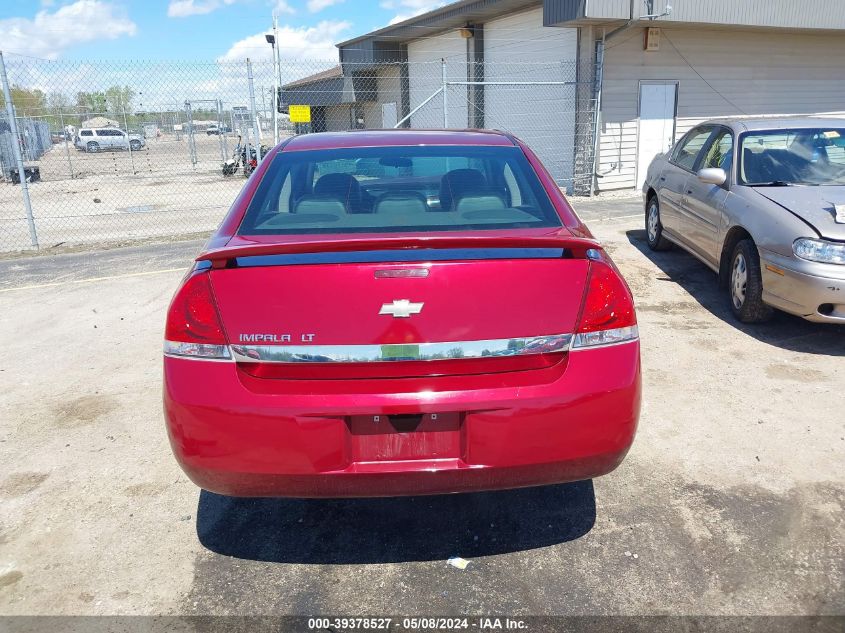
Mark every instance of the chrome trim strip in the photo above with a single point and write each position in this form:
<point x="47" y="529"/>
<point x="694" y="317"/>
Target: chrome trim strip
<point x="613" y="337"/>
<point x="197" y="351"/>
<point x="604" y="345"/>
<point x="204" y="359"/>
<point x="454" y="350"/>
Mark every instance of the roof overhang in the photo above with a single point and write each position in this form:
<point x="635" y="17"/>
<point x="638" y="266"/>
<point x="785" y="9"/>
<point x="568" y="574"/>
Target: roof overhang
<point x="326" y="88"/>
<point x="824" y="15"/>
<point x="389" y="43"/>
<point x="585" y="12"/>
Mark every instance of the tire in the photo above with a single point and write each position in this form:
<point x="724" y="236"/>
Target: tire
<point x="654" y="228"/>
<point x="135" y="145"/>
<point x="92" y="147"/>
<point x="745" y="284"/>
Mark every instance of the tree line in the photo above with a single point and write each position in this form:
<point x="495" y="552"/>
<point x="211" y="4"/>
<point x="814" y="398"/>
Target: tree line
<point x="58" y="108"/>
<point x="35" y="102"/>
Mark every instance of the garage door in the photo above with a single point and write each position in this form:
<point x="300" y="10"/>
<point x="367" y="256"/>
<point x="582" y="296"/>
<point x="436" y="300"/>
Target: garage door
<point x="519" y="48"/>
<point x="424" y="77"/>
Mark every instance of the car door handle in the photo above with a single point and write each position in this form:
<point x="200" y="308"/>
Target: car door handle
<point x="663" y="178"/>
<point x="689" y="191"/>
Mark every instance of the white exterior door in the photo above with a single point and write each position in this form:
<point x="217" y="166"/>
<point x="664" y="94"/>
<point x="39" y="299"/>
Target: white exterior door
<point x="425" y="77"/>
<point x="657" y="124"/>
<point x="389" y="116"/>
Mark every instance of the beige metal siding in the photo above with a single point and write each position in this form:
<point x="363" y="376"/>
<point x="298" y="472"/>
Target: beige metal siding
<point x="389" y="90"/>
<point x="560" y="11"/>
<point x="372" y="115"/>
<point x="758" y="72"/>
<point x="609" y="9"/>
<point x="794" y="14"/>
<point x="813" y="14"/>
<point x="337" y="118"/>
<point x="390" y="86"/>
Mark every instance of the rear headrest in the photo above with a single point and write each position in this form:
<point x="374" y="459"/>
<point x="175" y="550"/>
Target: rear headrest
<point x="480" y="201"/>
<point x="456" y="182"/>
<point x="319" y="204"/>
<point x="401" y="202"/>
<point x="344" y="187"/>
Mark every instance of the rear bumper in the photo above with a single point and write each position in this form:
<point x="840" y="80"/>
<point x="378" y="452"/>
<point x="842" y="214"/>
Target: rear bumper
<point x="258" y="437"/>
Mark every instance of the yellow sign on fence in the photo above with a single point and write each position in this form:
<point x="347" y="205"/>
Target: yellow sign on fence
<point x="300" y="113"/>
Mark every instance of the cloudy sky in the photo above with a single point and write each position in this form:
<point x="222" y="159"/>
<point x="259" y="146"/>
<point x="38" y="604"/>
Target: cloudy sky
<point x="191" y="29"/>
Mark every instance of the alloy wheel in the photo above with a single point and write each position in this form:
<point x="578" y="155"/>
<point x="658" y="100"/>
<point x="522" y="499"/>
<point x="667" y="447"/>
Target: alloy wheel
<point x="739" y="280"/>
<point x="653" y="222"/>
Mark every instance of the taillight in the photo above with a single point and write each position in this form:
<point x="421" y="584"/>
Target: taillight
<point x="193" y="326"/>
<point x="607" y="316"/>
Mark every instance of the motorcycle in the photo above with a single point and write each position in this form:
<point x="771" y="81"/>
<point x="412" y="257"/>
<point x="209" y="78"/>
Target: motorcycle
<point x="239" y="160"/>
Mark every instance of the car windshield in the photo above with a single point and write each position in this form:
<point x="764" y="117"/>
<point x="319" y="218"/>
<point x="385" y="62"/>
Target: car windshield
<point x="398" y="190"/>
<point x="812" y="156"/>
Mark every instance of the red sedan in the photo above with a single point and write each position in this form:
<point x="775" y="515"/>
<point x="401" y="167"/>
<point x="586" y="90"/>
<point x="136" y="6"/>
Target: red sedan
<point x="395" y="313"/>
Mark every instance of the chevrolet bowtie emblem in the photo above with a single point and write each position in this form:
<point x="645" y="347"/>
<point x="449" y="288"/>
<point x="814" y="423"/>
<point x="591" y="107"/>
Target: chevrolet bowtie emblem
<point x="401" y="308"/>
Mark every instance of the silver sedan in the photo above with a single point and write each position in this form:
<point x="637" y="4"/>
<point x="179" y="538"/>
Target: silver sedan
<point x="762" y="203"/>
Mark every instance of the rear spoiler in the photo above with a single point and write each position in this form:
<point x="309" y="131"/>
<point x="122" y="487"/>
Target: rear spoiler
<point x="576" y="247"/>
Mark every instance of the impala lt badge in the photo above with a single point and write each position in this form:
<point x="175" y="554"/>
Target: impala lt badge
<point x="274" y="338"/>
<point x="401" y="308"/>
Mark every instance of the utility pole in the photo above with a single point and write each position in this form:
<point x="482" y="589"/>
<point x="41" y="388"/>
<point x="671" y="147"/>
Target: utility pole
<point x="255" y="128"/>
<point x="128" y="140"/>
<point x="263" y="105"/>
<point x="445" y="87"/>
<point x="276" y="79"/>
<point x="64" y="138"/>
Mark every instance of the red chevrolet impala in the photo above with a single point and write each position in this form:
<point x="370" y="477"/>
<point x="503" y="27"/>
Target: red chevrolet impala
<point x="400" y="312"/>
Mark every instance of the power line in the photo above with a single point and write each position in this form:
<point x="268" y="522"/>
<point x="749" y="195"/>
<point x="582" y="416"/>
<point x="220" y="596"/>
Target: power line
<point x="627" y="39"/>
<point x="692" y="68"/>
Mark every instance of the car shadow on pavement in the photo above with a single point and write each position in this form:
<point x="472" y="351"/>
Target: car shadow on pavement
<point x="784" y="330"/>
<point x="398" y="529"/>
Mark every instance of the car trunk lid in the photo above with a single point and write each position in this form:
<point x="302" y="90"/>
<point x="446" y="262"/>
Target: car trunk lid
<point x="373" y="308"/>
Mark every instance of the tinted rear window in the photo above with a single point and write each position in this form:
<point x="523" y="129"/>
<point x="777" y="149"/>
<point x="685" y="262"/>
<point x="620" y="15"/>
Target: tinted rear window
<point x="398" y="189"/>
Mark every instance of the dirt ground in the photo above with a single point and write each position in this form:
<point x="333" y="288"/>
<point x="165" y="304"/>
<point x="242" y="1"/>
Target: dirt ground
<point x="730" y="502"/>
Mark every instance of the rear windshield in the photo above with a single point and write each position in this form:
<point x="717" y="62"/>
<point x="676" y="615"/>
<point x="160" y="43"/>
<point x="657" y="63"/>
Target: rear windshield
<point x="398" y="189"/>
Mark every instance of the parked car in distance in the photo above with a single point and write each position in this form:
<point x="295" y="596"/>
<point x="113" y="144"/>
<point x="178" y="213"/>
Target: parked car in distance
<point x="215" y="129"/>
<point x="98" y="139"/>
<point x="762" y="203"/>
<point x="446" y="325"/>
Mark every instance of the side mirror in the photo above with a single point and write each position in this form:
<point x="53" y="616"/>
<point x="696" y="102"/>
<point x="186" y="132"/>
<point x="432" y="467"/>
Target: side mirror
<point x="712" y="176"/>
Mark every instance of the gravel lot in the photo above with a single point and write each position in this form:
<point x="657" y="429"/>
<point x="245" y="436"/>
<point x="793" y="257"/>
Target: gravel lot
<point x="730" y="502"/>
<point x="110" y="195"/>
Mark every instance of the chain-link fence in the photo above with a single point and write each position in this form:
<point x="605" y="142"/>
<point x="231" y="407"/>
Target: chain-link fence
<point x="121" y="151"/>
